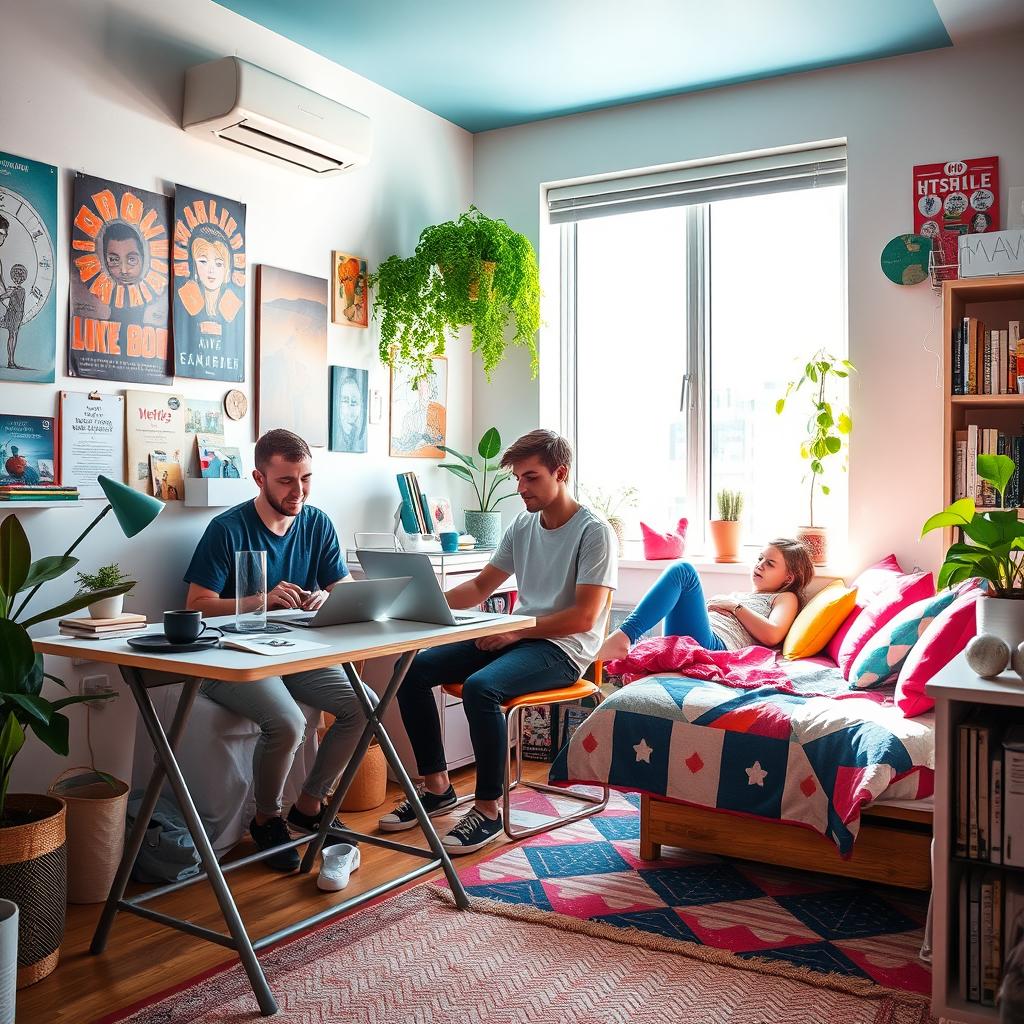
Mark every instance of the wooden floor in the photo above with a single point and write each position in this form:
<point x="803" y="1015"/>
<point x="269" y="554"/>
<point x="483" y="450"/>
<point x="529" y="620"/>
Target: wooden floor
<point x="142" y="958"/>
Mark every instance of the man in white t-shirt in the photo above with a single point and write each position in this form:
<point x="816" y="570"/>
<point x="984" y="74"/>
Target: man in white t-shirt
<point x="564" y="560"/>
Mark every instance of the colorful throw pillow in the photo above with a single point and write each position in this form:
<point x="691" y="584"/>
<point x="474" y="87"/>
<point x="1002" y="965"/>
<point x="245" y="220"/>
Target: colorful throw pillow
<point x="664" y="545"/>
<point x="882" y="657"/>
<point x="905" y="591"/>
<point x="943" y="640"/>
<point x="818" y="620"/>
<point x="869" y="584"/>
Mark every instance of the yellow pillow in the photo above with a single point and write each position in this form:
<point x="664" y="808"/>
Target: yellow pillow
<point x="818" y="620"/>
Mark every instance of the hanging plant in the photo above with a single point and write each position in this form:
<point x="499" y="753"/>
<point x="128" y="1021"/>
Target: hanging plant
<point x="472" y="272"/>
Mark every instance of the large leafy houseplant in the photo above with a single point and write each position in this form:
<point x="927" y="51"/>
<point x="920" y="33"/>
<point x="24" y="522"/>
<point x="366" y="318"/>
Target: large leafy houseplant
<point x="22" y="705"/>
<point x="468" y="469"/>
<point x="473" y="272"/>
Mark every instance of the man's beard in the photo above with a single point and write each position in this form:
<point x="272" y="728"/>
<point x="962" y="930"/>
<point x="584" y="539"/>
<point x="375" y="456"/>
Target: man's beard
<point x="280" y="509"/>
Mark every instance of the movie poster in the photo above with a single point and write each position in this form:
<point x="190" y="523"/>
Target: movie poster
<point x="209" y="286"/>
<point x="28" y="266"/>
<point x="119" y="273"/>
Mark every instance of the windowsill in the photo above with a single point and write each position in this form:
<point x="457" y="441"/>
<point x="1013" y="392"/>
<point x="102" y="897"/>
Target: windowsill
<point x="703" y="565"/>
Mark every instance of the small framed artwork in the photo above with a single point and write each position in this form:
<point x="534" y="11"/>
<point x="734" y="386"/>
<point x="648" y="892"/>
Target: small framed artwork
<point x="441" y="512"/>
<point x="349" y="409"/>
<point x="419" y="414"/>
<point x="350" y="303"/>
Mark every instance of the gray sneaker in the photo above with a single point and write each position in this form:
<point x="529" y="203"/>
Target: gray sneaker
<point x="403" y="816"/>
<point x="473" y="832"/>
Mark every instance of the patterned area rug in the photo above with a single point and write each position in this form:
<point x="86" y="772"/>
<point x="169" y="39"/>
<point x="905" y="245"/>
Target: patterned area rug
<point x="415" y="958"/>
<point x="591" y="871"/>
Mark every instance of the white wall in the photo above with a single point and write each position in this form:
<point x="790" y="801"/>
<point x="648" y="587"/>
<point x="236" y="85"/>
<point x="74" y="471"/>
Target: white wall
<point x="97" y="87"/>
<point x="895" y="113"/>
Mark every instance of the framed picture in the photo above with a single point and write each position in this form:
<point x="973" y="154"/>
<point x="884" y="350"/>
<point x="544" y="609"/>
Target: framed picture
<point x="291" y="353"/>
<point x="419" y="414"/>
<point x="349" y="408"/>
<point x="441" y="511"/>
<point x="350" y="302"/>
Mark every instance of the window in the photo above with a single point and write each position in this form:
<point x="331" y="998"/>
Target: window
<point x="681" y="326"/>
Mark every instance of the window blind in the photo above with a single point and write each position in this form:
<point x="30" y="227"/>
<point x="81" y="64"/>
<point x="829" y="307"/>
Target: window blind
<point x="814" y="167"/>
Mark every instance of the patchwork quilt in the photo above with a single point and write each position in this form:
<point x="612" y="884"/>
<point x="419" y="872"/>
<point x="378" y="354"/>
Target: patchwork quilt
<point x="808" y="758"/>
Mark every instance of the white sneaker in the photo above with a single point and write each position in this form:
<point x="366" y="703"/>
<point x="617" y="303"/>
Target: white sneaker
<point x="339" y="861"/>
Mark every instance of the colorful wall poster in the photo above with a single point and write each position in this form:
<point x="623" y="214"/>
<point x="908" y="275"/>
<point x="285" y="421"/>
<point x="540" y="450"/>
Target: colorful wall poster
<point x="209" y="286"/>
<point x="28" y="267"/>
<point x="350" y="305"/>
<point x="954" y="198"/>
<point x="203" y="416"/>
<point x="349" y="408"/>
<point x="154" y="424"/>
<point x="167" y="481"/>
<point x="291" y="353"/>
<point x="217" y="459"/>
<point x="27" y="450"/>
<point x="119" y="276"/>
<point x="91" y="440"/>
<point x="419" y="414"/>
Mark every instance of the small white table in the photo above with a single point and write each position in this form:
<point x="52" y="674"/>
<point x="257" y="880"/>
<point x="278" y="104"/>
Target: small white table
<point x="346" y="646"/>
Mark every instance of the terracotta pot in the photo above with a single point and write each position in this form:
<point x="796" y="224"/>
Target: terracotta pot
<point x="33" y="874"/>
<point x="370" y="786"/>
<point x="726" y="536"/>
<point x="815" y="539"/>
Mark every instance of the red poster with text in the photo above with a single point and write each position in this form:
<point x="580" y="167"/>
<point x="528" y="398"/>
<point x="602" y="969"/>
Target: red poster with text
<point x="955" y="198"/>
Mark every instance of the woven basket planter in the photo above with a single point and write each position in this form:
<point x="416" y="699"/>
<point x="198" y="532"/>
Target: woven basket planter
<point x="33" y="874"/>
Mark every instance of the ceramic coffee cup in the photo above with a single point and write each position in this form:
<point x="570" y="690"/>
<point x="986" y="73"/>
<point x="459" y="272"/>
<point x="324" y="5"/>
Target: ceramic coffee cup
<point x="183" y="627"/>
<point x="450" y="540"/>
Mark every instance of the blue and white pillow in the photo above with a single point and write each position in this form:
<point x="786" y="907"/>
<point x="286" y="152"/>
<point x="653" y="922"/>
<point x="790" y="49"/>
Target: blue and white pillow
<point x="883" y="655"/>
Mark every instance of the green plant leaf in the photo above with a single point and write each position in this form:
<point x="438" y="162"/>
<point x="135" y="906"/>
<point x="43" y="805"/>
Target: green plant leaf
<point x="833" y="444"/>
<point x="64" y="702"/>
<point x="37" y="707"/>
<point x="48" y="568"/>
<point x="15" y="556"/>
<point x="996" y="470"/>
<point x="53" y="733"/>
<point x="17" y="657"/>
<point x="844" y="424"/>
<point x="12" y="738"/>
<point x="490" y="444"/>
<point x="459" y="471"/>
<point x="468" y="460"/>
<point x="78" y="602"/>
<point x="825" y="489"/>
<point x="960" y="513"/>
<point x="780" y="405"/>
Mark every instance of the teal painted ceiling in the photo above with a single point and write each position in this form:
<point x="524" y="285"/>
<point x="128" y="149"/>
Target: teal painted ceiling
<point x="490" y="65"/>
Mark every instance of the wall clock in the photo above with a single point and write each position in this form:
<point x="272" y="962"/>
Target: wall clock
<point x="26" y="242"/>
<point x="235" y="404"/>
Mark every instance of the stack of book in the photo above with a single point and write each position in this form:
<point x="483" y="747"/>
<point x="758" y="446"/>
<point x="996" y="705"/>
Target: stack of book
<point x="987" y="361"/>
<point x="103" y="629"/>
<point x="37" y="492"/>
<point x="973" y="441"/>
<point x="416" y="517"/>
<point x="990" y="838"/>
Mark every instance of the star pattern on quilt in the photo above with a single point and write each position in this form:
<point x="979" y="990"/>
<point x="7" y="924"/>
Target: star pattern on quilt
<point x="756" y="775"/>
<point x="643" y="751"/>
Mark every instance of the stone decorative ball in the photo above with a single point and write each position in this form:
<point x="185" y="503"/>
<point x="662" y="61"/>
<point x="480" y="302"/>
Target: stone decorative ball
<point x="987" y="655"/>
<point x="1017" y="660"/>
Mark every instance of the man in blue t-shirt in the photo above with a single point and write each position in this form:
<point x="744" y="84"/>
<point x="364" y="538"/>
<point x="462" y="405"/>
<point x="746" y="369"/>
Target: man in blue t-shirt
<point x="304" y="562"/>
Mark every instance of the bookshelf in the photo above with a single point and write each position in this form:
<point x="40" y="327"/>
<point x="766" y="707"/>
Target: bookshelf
<point x="996" y="301"/>
<point x="957" y="692"/>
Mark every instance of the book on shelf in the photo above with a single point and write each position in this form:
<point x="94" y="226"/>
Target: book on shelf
<point x="1017" y="357"/>
<point x="1013" y="796"/>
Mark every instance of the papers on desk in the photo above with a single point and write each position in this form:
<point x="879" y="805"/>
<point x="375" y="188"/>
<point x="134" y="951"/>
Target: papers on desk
<point x="271" y="646"/>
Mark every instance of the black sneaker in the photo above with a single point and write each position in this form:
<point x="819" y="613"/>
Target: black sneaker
<point x="403" y="816"/>
<point x="473" y="832"/>
<point x="311" y="823"/>
<point x="275" y="833"/>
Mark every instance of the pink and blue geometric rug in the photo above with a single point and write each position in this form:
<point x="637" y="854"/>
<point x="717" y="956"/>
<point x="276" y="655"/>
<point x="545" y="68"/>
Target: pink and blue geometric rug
<point x="591" y="870"/>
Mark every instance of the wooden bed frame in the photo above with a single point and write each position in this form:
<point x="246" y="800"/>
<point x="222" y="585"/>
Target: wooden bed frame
<point x="893" y="846"/>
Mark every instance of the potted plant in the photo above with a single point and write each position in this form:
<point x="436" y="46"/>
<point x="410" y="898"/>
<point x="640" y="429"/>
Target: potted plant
<point x="725" y="530"/>
<point x="608" y="505"/>
<point x="105" y="578"/>
<point x="32" y="826"/>
<point x="483" y="522"/>
<point x="995" y="553"/>
<point x="472" y="272"/>
<point x="828" y="430"/>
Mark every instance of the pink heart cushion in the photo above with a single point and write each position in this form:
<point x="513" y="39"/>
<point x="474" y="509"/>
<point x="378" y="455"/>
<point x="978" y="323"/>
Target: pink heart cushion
<point x="905" y="591"/>
<point x="869" y="584"/>
<point x="942" y="641"/>
<point x="664" y="545"/>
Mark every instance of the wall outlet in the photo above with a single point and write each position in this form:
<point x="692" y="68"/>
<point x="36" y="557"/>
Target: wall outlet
<point x="92" y="685"/>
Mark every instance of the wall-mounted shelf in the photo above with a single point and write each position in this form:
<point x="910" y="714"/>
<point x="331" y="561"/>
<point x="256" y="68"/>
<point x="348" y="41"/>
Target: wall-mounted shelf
<point x="40" y="504"/>
<point x="982" y="401"/>
<point x="218" y="492"/>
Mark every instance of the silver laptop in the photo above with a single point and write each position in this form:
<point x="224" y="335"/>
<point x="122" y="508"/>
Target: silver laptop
<point x="423" y="600"/>
<point x="352" y="601"/>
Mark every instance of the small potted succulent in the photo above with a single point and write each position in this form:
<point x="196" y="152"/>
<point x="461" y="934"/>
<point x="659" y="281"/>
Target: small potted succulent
<point x="483" y="522"/>
<point x="105" y="577"/>
<point x="726" y="529"/>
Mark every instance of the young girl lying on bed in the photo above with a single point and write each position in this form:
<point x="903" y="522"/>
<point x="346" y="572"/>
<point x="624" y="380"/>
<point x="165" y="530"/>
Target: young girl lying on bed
<point x="728" y="622"/>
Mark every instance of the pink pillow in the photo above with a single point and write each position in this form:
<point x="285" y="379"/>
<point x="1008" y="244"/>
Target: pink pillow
<point x="906" y="591"/>
<point x="664" y="545"/>
<point x="869" y="584"/>
<point x="942" y="641"/>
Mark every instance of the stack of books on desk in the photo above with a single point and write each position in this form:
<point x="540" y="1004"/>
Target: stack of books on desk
<point x="37" y="492"/>
<point x="103" y="629"/>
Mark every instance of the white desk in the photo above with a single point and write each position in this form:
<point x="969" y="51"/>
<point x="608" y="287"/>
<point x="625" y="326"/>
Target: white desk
<point x="347" y="645"/>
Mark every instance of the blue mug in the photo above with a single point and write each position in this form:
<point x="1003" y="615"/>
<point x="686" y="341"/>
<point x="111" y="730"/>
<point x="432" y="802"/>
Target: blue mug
<point x="450" y="540"/>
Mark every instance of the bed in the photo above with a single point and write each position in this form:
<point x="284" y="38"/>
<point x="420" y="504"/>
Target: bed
<point x="807" y="774"/>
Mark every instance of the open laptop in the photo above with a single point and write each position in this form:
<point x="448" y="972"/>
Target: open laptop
<point x="423" y="600"/>
<point x="352" y="601"/>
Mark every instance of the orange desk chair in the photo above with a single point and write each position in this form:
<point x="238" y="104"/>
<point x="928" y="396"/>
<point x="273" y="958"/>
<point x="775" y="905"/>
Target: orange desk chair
<point x="513" y="711"/>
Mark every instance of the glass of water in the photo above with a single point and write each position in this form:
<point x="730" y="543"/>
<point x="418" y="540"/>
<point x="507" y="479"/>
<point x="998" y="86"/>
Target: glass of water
<point x="250" y="591"/>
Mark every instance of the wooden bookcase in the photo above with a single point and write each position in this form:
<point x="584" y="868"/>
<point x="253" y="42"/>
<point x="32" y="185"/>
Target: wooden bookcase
<point x="995" y="300"/>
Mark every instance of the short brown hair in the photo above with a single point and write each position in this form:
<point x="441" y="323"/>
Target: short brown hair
<point x="281" y="442"/>
<point x="552" y="449"/>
